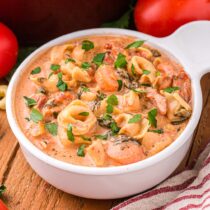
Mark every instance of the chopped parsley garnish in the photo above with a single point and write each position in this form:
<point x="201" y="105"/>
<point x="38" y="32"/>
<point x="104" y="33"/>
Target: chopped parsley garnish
<point x="136" y="118"/>
<point x="87" y="45"/>
<point x="152" y="117"/>
<point x="157" y="73"/>
<point x="50" y="74"/>
<point x="114" y="128"/>
<point x="111" y="101"/>
<point x="146" y="72"/>
<point x="145" y="84"/>
<point x="82" y="89"/>
<point x="98" y="59"/>
<point x="120" y="83"/>
<point x="2" y="189"/>
<point x="29" y="101"/>
<point x="69" y="133"/>
<point x="159" y="131"/>
<point x="138" y="91"/>
<point x="109" y="108"/>
<point x="100" y="96"/>
<point x="54" y="67"/>
<point x="36" y="116"/>
<point x="69" y="60"/>
<point x="37" y="70"/>
<point x="85" y="65"/>
<point x="86" y="138"/>
<point x="133" y="70"/>
<point x="84" y="113"/>
<point x="61" y="85"/>
<point x="80" y="151"/>
<point x="102" y="136"/>
<point x="52" y="128"/>
<point x="171" y="89"/>
<point x="121" y="61"/>
<point x="85" y="89"/>
<point x="135" y="44"/>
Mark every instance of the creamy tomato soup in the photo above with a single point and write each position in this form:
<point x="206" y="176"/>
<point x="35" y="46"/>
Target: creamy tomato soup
<point x="103" y="101"/>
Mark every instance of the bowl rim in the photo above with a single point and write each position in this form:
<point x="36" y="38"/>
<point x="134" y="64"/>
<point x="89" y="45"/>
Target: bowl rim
<point x="172" y="148"/>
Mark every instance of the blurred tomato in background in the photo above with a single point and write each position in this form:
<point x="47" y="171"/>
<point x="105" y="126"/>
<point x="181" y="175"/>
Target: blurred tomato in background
<point x="162" y="17"/>
<point x="38" y="21"/>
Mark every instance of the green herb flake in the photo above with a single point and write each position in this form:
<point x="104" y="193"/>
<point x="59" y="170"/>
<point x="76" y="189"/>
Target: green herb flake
<point x="52" y="128"/>
<point x="98" y="59"/>
<point x="85" y="89"/>
<point x="133" y="70"/>
<point x="70" y="60"/>
<point x="171" y="89"/>
<point x="112" y="100"/>
<point x="50" y="74"/>
<point x="157" y="73"/>
<point x="29" y="101"/>
<point x="84" y="113"/>
<point x="81" y="150"/>
<point x="69" y="133"/>
<point x="114" y="128"/>
<point x="86" y="138"/>
<point x="109" y="108"/>
<point x="54" y="67"/>
<point x="85" y="65"/>
<point x="102" y="136"/>
<point x="87" y="45"/>
<point x="121" y="61"/>
<point x="2" y="189"/>
<point x="136" y="118"/>
<point x="37" y="70"/>
<point x="138" y="91"/>
<point x="120" y="84"/>
<point x="135" y="44"/>
<point x="61" y="85"/>
<point x="36" y="116"/>
<point x="146" y="72"/>
<point x="145" y="84"/>
<point x="152" y="117"/>
<point x="159" y="131"/>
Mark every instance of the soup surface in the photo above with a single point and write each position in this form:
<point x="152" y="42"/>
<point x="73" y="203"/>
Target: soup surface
<point x="103" y="101"/>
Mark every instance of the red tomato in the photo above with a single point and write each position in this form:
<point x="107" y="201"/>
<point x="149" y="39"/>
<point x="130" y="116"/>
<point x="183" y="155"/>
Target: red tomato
<point x="8" y="50"/>
<point x="2" y="206"/>
<point x="162" y="17"/>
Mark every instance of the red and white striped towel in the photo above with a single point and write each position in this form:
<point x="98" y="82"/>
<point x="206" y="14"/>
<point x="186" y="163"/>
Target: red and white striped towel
<point x="187" y="190"/>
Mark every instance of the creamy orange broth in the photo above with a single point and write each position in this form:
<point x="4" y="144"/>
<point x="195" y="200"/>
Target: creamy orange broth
<point x="123" y="117"/>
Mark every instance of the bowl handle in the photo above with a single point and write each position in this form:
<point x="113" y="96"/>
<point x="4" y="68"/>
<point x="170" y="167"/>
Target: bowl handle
<point x="192" y="42"/>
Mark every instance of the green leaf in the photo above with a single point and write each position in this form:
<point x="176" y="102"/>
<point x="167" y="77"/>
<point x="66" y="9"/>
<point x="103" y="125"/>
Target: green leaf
<point x="54" y="67"/>
<point x="61" y="85"/>
<point x="109" y="108"/>
<point x="171" y="89"/>
<point x="80" y="151"/>
<point x="135" y="44"/>
<point x="84" y="113"/>
<point x="69" y="133"/>
<point x="2" y="189"/>
<point x="102" y="136"/>
<point x="122" y="22"/>
<point x="139" y="91"/>
<point x="50" y="74"/>
<point x="157" y="73"/>
<point x="159" y="131"/>
<point x="120" y="83"/>
<point x="136" y="118"/>
<point x="152" y="117"/>
<point x="85" y="65"/>
<point x="36" y="116"/>
<point x="52" y="128"/>
<point x="133" y="70"/>
<point x="86" y="138"/>
<point x="98" y="59"/>
<point x="29" y="101"/>
<point x="37" y="70"/>
<point x="85" y="89"/>
<point x="69" y="60"/>
<point x="100" y="96"/>
<point x="114" y="128"/>
<point x="112" y="100"/>
<point x="121" y="61"/>
<point x="87" y="45"/>
<point x="146" y="72"/>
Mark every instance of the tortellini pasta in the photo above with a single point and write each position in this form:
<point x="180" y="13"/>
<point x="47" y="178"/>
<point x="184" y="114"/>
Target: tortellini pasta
<point x="3" y="91"/>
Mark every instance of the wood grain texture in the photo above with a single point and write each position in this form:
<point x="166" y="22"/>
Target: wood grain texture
<point x="27" y="191"/>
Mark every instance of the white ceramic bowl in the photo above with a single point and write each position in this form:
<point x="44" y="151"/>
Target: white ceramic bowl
<point x="190" y="45"/>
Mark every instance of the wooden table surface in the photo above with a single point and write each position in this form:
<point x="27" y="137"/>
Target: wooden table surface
<point x="27" y="191"/>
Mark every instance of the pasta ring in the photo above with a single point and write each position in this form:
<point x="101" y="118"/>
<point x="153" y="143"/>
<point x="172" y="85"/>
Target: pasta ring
<point x="3" y="91"/>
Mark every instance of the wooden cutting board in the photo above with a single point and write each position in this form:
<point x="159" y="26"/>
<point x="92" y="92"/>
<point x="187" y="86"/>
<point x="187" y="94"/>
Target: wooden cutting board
<point x="27" y="191"/>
